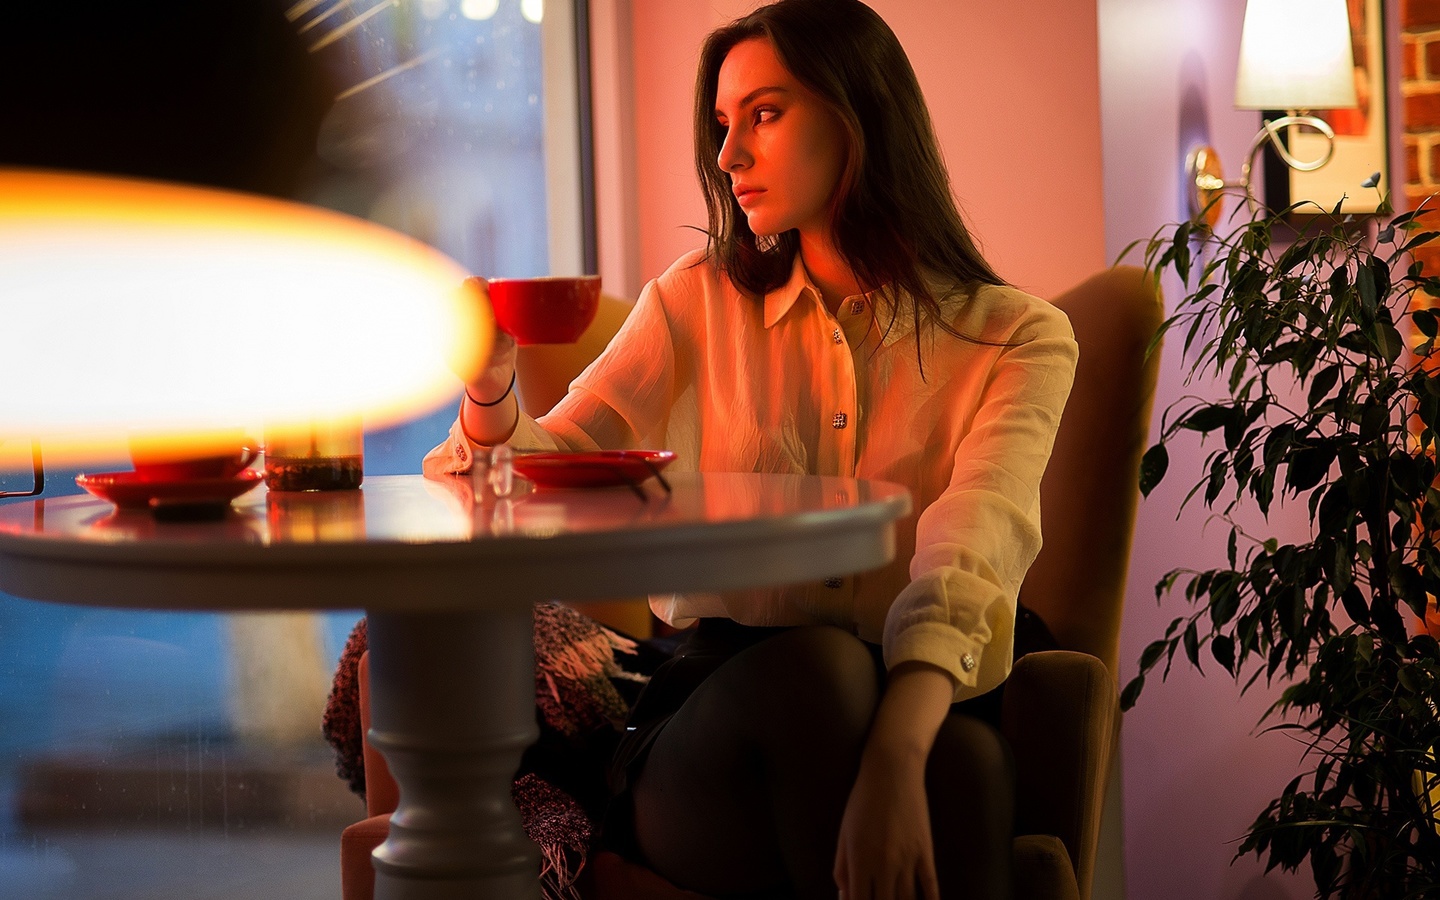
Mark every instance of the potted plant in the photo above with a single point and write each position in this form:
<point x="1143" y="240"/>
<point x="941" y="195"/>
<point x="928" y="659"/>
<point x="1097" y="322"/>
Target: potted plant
<point x="1323" y="351"/>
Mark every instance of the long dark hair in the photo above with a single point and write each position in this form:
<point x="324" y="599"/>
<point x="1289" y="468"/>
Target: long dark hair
<point x="893" y="217"/>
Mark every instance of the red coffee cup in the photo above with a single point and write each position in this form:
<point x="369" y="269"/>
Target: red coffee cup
<point x="172" y="459"/>
<point x="549" y="310"/>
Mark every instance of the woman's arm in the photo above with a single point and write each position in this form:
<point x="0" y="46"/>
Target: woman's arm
<point x="975" y="541"/>
<point x="885" y="834"/>
<point x="490" y="410"/>
<point x="624" y="397"/>
<point x="949" y="633"/>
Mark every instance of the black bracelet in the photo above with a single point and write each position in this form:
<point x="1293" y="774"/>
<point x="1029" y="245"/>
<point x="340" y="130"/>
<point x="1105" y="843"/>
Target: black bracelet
<point x="497" y="401"/>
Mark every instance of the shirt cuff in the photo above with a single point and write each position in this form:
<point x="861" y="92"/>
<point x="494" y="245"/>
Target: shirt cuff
<point x="454" y="456"/>
<point x="972" y="665"/>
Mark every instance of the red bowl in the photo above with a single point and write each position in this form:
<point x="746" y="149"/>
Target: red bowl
<point x="551" y="310"/>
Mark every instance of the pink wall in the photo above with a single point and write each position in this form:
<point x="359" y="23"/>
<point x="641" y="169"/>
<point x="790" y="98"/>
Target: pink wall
<point x="1195" y="773"/>
<point x="1196" y="769"/>
<point x="1013" y="88"/>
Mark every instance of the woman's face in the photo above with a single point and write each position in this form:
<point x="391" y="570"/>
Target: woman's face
<point x="783" y="149"/>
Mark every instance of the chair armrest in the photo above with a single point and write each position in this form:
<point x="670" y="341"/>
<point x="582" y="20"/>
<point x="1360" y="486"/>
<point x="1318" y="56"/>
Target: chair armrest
<point x="357" y="842"/>
<point x="1061" y="716"/>
<point x="382" y="794"/>
<point x="1042" y="869"/>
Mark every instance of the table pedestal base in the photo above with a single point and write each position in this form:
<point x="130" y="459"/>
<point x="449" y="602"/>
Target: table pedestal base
<point x="452" y="700"/>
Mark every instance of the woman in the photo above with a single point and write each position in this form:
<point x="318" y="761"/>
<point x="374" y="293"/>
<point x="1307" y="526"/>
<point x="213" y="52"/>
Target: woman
<point x="841" y="322"/>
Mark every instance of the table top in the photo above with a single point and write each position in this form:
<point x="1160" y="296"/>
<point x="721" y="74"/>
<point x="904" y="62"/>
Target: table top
<point x="405" y="542"/>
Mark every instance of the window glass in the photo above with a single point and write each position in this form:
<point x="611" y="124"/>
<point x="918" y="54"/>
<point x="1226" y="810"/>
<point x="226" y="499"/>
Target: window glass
<point x="150" y="754"/>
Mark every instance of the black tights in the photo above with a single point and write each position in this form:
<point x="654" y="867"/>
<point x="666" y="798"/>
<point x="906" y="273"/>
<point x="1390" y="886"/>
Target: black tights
<point x="743" y="790"/>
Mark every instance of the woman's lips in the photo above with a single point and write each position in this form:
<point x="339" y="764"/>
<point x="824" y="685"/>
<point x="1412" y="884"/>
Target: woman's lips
<point x="747" y="195"/>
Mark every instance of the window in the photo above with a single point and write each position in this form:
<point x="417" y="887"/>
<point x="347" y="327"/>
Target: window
<point x="123" y="770"/>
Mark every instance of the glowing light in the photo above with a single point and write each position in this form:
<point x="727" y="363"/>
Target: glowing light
<point x="1295" y="54"/>
<point x="532" y="10"/>
<point x="479" y="9"/>
<point x="135" y="307"/>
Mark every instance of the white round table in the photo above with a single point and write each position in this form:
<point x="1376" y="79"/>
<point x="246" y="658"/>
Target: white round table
<point x="448" y="579"/>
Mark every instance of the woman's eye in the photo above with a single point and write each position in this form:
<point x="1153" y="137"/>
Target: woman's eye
<point x="766" y="114"/>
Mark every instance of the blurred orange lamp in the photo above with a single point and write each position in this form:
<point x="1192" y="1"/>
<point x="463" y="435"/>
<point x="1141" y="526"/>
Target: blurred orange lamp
<point x="136" y="309"/>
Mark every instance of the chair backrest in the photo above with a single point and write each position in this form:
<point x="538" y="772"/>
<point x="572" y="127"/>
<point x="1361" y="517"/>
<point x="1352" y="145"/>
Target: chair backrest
<point x="544" y="371"/>
<point x="1090" y="492"/>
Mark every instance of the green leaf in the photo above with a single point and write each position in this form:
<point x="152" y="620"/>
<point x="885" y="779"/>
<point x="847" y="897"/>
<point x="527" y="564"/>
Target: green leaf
<point x="1424" y="319"/>
<point x="1132" y="692"/>
<point x="1153" y="467"/>
<point x="1222" y="647"/>
<point x="1207" y="418"/>
<point x="1224" y="599"/>
<point x="1365" y="282"/>
<point x="1339" y="285"/>
<point x="1420" y="239"/>
<point x="1388" y="342"/>
<point x="1153" y="651"/>
<point x="1323" y="382"/>
<point x="1308" y="467"/>
<point x="1218" y="472"/>
<point x="1380" y="272"/>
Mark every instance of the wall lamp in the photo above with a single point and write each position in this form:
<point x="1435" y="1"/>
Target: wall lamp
<point x="1295" y="55"/>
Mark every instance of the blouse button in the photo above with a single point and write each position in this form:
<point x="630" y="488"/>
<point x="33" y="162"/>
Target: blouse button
<point x="967" y="662"/>
<point x="857" y="307"/>
<point x="838" y="337"/>
<point x="840" y="420"/>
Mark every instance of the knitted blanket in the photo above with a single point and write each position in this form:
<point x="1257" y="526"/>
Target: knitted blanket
<point x="586" y="678"/>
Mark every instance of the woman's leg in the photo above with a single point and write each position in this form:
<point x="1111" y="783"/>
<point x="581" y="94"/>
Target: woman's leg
<point x="970" y="782"/>
<point x="744" y="789"/>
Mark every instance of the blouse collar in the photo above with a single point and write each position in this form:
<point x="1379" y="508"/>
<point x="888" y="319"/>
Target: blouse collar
<point x="779" y="301"/>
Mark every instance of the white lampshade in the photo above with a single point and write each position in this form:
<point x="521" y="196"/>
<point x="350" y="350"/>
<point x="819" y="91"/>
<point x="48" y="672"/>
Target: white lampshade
<point x="1295" y="54"/>
<point x="135" y="308"/>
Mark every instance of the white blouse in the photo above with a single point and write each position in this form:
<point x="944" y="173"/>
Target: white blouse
<point x="733" y="383"/>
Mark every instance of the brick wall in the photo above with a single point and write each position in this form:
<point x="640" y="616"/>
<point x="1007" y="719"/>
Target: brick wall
<point x="1419" y="67"/>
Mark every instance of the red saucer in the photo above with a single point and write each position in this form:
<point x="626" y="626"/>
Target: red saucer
<point x="128" y="490"/>
<point x="599" y="468"/>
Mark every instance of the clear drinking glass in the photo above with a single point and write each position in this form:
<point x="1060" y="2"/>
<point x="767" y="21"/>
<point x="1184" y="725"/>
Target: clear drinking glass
<point x="329" y="455"/>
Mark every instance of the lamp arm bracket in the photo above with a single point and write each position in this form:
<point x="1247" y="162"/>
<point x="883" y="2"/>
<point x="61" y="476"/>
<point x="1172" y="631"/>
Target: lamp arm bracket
<point x="1271" y="132"/>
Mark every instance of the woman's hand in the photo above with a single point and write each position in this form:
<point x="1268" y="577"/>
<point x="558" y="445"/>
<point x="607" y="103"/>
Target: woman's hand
<point x="499" y="366"/>
<point x="499" y="369"/>
<point x="886" y="851"/>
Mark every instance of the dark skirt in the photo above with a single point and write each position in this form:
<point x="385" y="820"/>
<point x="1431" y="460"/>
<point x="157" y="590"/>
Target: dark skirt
<point x="708" y="646"/>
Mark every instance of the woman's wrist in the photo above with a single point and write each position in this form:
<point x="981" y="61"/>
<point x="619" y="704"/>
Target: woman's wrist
<point x="509" y="388"/>
<point x="489" y="411"/>
<point x="917" y="697"/>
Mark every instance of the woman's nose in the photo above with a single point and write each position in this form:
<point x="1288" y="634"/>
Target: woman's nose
<point x="733" y="154"/>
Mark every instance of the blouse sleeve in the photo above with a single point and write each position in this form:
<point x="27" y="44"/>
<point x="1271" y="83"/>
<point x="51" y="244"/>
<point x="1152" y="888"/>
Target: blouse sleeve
<point x="621" y="400"/>
<point x="974" y="543"/>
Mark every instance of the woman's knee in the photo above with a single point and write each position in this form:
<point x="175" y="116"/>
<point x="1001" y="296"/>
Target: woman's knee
<point x="971" y="766"/>
<point x="814" y="675"/>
